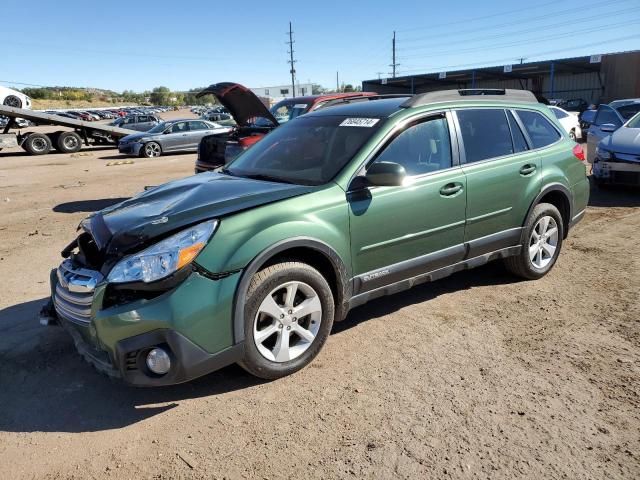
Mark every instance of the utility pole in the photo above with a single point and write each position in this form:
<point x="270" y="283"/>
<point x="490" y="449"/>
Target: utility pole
<point x="522" y="59"/>
<point x="337" y="83"/>
<point x="393" y="56"/>
<point x="291" y="61"/>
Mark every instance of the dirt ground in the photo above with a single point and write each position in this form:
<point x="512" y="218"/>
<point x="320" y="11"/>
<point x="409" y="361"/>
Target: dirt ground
<point x="475" y="376"/>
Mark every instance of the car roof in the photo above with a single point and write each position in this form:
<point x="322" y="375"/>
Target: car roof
<point x="383" y="107"/>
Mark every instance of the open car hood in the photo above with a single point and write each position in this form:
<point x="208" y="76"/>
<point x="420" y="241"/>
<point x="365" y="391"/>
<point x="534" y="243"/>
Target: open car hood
<point x="243" y="104"/>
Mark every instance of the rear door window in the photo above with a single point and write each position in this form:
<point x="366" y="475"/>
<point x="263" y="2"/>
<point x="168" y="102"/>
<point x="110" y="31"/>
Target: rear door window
<point x="540" y="129"/>
<point x="197" y="125"/>
<point x="485" y="134"/>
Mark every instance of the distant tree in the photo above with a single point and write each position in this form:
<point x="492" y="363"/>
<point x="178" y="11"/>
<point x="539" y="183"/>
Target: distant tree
<point x="317" y="89"/>
<point x="160" y="96"/>
<point x="348" y="88"/>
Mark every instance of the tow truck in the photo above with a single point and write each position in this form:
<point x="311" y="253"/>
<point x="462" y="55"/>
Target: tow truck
<point x="64" y="141"/>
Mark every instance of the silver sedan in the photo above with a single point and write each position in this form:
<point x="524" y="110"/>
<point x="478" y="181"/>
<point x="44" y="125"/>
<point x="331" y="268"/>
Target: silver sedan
<point x="171" y="136"/>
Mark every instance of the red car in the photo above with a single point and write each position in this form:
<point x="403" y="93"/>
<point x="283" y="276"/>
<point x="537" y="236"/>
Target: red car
<point x="253" y="120"/>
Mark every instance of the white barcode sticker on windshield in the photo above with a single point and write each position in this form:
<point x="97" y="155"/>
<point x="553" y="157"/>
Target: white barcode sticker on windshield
<point x="359" y="122"/>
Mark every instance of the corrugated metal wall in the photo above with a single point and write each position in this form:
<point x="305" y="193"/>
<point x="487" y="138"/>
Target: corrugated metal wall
<point x="622" y="74"/>
<point x="619" y="78"/>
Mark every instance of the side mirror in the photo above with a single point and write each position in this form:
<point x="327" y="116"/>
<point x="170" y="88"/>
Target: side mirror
<point x="386" y="174"/>
<point x="608" y="127"/>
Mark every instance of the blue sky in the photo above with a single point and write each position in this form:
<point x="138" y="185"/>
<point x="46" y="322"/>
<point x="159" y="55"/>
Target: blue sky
<point x="140" y="44"/>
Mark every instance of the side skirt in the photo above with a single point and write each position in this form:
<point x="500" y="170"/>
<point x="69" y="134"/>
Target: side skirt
<point x="437" y="274"/>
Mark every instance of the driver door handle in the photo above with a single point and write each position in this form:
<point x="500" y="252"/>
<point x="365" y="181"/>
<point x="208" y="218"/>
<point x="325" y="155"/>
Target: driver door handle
<point x="450" y="189"/>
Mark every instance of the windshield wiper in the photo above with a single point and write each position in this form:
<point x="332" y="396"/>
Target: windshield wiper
<point x="266" y="178"/>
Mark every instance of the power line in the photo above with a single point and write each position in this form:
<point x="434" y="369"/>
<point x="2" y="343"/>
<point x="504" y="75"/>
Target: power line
<point x="520" y="32"/>
<point x="471" y="19"/>
<point x="529" y="56"/>
<point x="529" y="19"/>
<point x="517" y="43"/>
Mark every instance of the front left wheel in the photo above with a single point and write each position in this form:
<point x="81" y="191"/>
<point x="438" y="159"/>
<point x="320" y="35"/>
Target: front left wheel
<point x="151" y="150"/>
<point x="288" y="316"/>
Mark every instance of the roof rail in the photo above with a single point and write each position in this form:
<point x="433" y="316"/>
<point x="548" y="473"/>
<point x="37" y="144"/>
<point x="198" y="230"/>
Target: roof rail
<point x="339" y="101"/>
<point x="475" y="93"/>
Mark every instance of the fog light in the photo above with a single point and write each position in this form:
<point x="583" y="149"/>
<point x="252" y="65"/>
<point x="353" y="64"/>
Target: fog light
<point x="158" y="361"/>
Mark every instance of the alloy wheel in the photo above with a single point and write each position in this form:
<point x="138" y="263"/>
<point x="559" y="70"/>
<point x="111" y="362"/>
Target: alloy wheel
<point x="543" y="242"/>
<point x="152" y="149"/>
<point x="287" y="322"/>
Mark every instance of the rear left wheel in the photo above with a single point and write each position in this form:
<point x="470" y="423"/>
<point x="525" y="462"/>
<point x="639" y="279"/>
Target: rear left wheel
<point x="288" y="316"/>
<point x="541" y="243"/>
<point x="68" y="142"/>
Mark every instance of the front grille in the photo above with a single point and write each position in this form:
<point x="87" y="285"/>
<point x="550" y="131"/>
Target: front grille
<point x="73" y="294"/>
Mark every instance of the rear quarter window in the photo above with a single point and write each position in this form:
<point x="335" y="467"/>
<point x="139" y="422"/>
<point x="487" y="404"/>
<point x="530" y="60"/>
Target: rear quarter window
<point x="541" y="131"/>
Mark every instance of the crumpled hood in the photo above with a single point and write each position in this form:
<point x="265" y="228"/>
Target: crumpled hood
<point x="624" y="140"/>
<point x="132" y="224"/>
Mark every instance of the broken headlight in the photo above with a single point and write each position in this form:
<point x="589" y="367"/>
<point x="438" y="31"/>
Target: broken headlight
<point x="165" y="257"/>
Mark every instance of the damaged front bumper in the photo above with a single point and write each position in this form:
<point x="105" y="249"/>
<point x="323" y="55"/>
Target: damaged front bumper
<point x="132" y="148"/>
<point x="192" y="322"/>
<point x="620" y="171"/>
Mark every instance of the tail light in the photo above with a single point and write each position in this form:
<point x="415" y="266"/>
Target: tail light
<point x="578" y="152"/>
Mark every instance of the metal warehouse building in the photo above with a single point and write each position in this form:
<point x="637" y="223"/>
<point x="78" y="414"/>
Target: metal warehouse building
<point x="596" y="78"/>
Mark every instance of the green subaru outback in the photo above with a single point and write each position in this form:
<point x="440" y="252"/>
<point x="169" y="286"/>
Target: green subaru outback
<point x="254" y="263"/>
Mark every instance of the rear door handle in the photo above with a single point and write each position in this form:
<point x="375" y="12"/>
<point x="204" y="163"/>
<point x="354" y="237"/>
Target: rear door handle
<point x="527" y="169"/>
<point x="450" y="189"/>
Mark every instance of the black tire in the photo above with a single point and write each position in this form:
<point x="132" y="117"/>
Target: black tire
<point x="149" y="150"/>
<point x="12" y="101"/>
<point x="37" y="144"/>
<point x="522" y="264"/>
<point x="263" y="283"/>
<point x="68" y="142"/>
<point x="572" y="135"/>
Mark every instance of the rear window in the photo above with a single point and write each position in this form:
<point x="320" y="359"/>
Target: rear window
<point x="540" y="129"/>
<point x="485" y="134"/>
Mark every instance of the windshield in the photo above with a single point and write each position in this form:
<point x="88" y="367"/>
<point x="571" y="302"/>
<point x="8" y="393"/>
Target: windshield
<point x="159" y="128"/>
<point x="288" y="110"/>
<point x="307" y="151"/>
<point x="634" y="122"/>
<point x="629" y="110"/>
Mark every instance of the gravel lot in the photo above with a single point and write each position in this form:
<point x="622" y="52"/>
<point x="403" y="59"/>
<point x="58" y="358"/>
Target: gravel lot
<point x="475" y="376"/>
